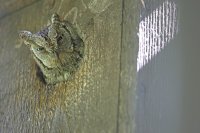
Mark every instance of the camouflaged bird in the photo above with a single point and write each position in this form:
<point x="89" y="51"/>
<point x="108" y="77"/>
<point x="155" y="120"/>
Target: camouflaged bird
<point x="57" y="49"/>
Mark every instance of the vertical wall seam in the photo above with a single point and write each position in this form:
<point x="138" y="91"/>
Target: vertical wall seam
<point x="120" y="65"/>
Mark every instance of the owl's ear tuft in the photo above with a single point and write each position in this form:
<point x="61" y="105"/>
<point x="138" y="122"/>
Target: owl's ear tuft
<point x="25" y="35"/>
<point x="55" y="18"/>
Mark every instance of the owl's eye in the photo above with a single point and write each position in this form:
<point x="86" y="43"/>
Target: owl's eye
<point x="40" y="49"/>
<point x="60" y="38"/>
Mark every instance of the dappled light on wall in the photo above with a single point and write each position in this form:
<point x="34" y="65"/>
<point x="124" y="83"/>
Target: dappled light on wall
<point x="156" y="31"/>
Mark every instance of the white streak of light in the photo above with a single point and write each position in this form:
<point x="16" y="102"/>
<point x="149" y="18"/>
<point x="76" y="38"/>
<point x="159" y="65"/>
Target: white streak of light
<point x="156" y="31"/>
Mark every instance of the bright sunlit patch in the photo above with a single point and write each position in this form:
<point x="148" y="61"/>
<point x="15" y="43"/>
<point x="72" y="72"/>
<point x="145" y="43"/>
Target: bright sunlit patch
<point x="155" y="32"/>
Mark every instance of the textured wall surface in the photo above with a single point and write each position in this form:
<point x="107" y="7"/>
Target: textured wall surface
<point x="99" y="97"/>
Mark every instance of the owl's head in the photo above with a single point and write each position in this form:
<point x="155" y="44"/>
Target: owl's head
<point x="57" y="49"/>
<point x="47" y="44"/>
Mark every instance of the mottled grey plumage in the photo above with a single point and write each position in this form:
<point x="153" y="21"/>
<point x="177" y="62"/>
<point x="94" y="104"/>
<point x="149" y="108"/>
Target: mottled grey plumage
<point x="57" y="49"/>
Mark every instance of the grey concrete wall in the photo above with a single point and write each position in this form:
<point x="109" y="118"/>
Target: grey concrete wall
<point x="190" y="21"/>
<point x="160" y="92"/>
<point x="168" y="87"/>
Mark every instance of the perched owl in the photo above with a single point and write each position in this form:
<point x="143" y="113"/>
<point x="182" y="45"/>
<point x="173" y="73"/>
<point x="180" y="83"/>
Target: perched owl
<point x="57" y="49"/>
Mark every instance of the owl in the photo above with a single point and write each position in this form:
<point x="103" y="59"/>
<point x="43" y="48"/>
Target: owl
<point x="57" y="49"/>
